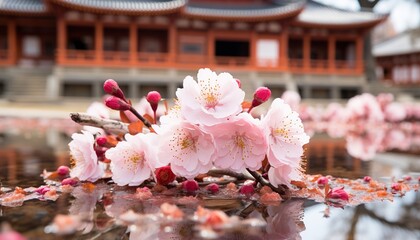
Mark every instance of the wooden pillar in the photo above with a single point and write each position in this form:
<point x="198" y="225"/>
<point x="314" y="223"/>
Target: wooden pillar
<point x="61" y="40"/>
<point x="284" y="55"/>
<point x="331" y="53"/>
<point x="210" y="47"/>
<point x="133" y="43"/>
<point x="99" y="35"/>
<point x="253" y="49"/>
<point x="172" y="42"/>
<point x="359" y="54"/>
<point x="306" y="52"/>
<point x="11" y="41"/>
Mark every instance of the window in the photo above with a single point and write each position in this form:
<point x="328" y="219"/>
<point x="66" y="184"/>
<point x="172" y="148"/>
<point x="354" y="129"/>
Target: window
<point x="77" y="90"/>
<point x="276" y="90"/>
<point x="348" y="92"/>
<point x="267" y="52"/>
<point x="146" y="88"/>
<point x="31" y="46"/>
<point x="231" y="48"/>
<point x="320" y="92"/>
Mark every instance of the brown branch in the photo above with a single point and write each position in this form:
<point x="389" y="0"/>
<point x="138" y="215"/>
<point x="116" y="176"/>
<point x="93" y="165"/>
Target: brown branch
<point x="221" y="172"/>
<point x="281" y="189"/>
<point x="111" y="126"/>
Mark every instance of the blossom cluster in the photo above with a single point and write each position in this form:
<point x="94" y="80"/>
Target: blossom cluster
<point x="209" y="126"/>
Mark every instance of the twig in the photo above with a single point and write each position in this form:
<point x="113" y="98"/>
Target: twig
<point x="108" y="125"/>
<point x="221" y="172"/>
<point x="137" y="114"/>
<point x="281" y="189"/>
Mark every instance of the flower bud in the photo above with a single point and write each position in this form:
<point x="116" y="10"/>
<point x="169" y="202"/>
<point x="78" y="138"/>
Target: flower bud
<point x="69" y="181"/>
<point x="367" y="179"/>
<point x="247" y="189"/>
<point x="153" y="98"/>
<point x="190" y="186"/>
<point x="322" y="181"/>
<point x="213" y="188"/>
<point x="101" y="141"/>
<point x="42" y="190"/>
<point x="63" y="170"/>
<point x="338" y="194"/>
<point x="111" y="87"/>
<point x="395" y="187"/>
<point x="117" y="104"/>
<point x="164" y="175"/>
<point x="238" y="82"/>
<point x="261" y="95"/>
<point x="407" y="178"/>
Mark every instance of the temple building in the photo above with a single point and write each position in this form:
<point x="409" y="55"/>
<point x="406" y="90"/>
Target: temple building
<point x="59" y="49"/>
<point x="398" y="60"/>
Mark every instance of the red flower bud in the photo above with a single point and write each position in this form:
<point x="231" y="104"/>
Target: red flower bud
<point x="395" y="187"/>
<point x="238" y="82"/>
<point x="101" y="141"/>
<point x="117" y="104"/>
<point x="213" y="188"/>
<point x="247" y="189"/>
<point x="63" y="170"/>
<point x="367" y="179"/>
<point x="111" y="87"/>
<point x="153" y="98"/>
<point x="190" y="186"/>
<point x="69" y="181"/>
<point x="164" y="175"/>
<point x="42" y="190"/>
<point x="323" y="181"/>
<point x="261" y="95"/>
<point x="338" y="194"/>
<point x="407" y="178"/>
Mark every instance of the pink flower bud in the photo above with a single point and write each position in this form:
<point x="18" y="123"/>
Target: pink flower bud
<point x="247" y="189"/>
<point x="322" y="181"/>
<point x="63" y="170"/>
<point x="101" y="141"/>
<point x="261" y="95"/>
<point x="407" y="178"/>
<point x="111" y="87"/>
<point x="164" y="175"/>
<point x="153" y="98"/>
<point x="238" y="82"/>
<point x="117" y="104"/>
<point x="338" y="194"/>
<point x="395" y="187"/>
<point x="69" y="181"/>
<point x="213" y="188"/>
<point x="190" y="186"/>
<point x="367" y="179"/>
<point x="42" y="190"/>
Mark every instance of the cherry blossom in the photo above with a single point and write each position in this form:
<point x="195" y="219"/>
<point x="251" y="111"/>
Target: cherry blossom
<point x="395" y="112"/>
<point x="188" y="148"/>
<point x="292" y="98"/>
<point x="365" y="107"/>
<point x="210" y="100"/>
<point x="84" y="160"/>
<point x="241" y="143"/>
<point x="286" y="135"/>
<point x="283" y="174"/>
<point x="133" y="160"/>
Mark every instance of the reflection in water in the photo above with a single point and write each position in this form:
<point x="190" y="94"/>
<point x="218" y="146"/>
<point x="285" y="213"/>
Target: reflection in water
<point x="103" y="211"/>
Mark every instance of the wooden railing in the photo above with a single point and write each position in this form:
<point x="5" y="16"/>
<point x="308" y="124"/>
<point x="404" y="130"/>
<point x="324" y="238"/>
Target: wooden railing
<point x="232" y="61"/>
<point x="163" y="60"/>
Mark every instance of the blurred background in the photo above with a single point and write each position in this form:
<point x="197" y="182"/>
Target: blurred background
<point x="317" y="55"/>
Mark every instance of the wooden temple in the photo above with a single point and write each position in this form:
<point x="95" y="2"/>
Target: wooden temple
<point x="67" y="48"/>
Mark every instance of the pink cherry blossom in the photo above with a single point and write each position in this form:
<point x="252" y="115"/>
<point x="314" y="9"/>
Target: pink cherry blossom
<point x="83" y="158"/>
<point x="188" y="148"/>
<point x="395" y="112"/>
<point x="283" y="174"/>
<point x="364" y="108"/>
<point x="285" y="134"/>
<point x="366" y="144"/>
<point x="241" y="143"/>
<point x="97" y="109"/>
<point x="292" y="98"/>
<point x="212" y="99"/>
<point x="133" y="160"/>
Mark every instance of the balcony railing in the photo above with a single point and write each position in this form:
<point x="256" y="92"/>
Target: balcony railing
<point x="147" y="59"/>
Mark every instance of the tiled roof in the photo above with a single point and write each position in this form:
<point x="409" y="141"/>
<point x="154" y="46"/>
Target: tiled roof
<point x="23" y="6"/>
<point x="320" y="14"/>
<point x="250" y="11"/>
<point x="404" y="43"/>
<point x="127" y="6"/>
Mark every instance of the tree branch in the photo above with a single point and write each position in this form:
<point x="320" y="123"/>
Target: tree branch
<point x="282" y="190"/>
<point x="111" y="126"/>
